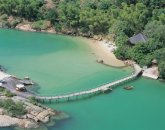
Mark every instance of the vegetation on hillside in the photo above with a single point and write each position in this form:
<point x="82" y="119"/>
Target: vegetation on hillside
<point x="116" y="19"/>
<point x="6" y="92"/>
<point x="14" y="109"/>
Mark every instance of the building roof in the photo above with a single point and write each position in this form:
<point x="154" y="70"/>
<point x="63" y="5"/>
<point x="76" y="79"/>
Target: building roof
<point x="20" y="86"/>
<point x="138" y="38"/>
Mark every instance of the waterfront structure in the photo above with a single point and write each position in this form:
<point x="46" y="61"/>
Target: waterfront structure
<point x="20" y="87"/>
<point x="72" y="96"/>
<point x="138" y="38"/>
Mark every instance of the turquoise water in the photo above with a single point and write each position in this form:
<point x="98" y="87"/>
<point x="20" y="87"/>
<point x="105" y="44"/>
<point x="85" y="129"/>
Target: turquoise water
<point x="61" y="64"/>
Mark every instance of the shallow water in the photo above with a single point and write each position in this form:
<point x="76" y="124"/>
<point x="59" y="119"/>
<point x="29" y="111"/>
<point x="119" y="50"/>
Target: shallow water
<point x="61" y="64"/>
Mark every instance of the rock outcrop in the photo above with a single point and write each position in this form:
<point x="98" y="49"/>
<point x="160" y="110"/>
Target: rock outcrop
<point x="6" y="121"/>
<point x="39" y="114"/>
<point x="34" y="115"/>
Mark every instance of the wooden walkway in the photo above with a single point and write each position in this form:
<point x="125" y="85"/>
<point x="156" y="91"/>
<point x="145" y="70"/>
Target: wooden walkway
<point x="100" y="89"/>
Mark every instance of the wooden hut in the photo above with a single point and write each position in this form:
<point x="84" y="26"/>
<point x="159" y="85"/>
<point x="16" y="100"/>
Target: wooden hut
<point x="137" y="39"/>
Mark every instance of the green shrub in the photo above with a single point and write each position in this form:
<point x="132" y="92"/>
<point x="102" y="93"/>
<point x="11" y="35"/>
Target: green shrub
<point x="40" y="25"/>
<point x="4" y="17"/>
<point x="14" y="109"/>
<point x="9" y="94"/>
<point x="5" y="24"/>
<point x="14" y="23"/>
<point x="32" y="99"/>
<point x="2" y="89"/>
<point x="1" y="103"/>
<point x="58" y="27"/>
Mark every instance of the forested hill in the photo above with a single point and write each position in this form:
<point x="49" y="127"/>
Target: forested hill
<point x="114" y="19"/>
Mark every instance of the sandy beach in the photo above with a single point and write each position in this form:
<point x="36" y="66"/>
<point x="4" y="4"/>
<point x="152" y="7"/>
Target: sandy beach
<point x="104" y="51"/>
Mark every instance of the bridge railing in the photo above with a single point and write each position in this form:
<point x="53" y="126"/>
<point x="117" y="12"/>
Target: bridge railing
<point x="63" y="94"/>
<point x="73" y="92"/>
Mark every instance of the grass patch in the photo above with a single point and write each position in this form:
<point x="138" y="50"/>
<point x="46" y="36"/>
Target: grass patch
<point x="2" y="89"/>
<point x="32" y="100"/>
<point x="8" y="94"/>
<point x="14" y="109"/>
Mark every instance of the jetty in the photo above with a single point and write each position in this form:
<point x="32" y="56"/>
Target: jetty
<point x="75" y="95"/>
<point x="94" y="91"/>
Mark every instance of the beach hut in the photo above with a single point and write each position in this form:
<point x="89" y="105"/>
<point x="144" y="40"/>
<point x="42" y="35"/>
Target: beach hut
<point x="137" y="38"/>
<point x="20" y="87"/>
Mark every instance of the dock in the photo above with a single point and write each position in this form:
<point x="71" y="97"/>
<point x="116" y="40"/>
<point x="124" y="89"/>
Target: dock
<point x="94" y="91"/>
<point x="75" y="95"/>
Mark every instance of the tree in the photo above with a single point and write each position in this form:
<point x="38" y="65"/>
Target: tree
<point x="155" y="29"/>
<point x="120" y="27"/>
<point x="104" y="4"/>
<point x="135" y="15"/>
<point x="69" y="14"/>
<point x="51" y="15"/>
<point x="162" y="69"/>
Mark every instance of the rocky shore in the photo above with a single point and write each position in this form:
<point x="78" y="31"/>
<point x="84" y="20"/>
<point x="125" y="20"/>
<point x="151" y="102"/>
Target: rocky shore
<point x="34" y="117"/>
<point x="34" y="114"/>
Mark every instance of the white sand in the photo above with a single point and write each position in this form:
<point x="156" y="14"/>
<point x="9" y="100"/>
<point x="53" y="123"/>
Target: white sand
<point x="104" y="50"/>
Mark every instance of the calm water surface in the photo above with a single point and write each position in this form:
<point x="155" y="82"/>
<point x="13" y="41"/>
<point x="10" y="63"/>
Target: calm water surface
<point x="61" y="64"/>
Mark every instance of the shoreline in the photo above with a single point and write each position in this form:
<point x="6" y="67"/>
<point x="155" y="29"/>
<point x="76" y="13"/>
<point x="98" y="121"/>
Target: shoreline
<point x="97" y="48"/>
<point x="102" y="49"/>
<point x="35" y="116"/>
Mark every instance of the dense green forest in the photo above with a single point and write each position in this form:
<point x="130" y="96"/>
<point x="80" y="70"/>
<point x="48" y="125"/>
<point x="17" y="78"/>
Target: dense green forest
<point x="113" y="19"/>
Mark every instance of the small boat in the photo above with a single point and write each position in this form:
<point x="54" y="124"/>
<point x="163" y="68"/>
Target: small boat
<point x="26" y="78"/>
<point x="100" y="61"/>
<point x="27" y="82"/>
<point x="128" y="87"/>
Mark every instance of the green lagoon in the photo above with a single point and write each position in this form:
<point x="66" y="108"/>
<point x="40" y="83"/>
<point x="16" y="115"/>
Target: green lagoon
<point x="61" y="64"/>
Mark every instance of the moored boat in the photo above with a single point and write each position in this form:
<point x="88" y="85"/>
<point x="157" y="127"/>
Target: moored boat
<point x="128" y="87"/>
